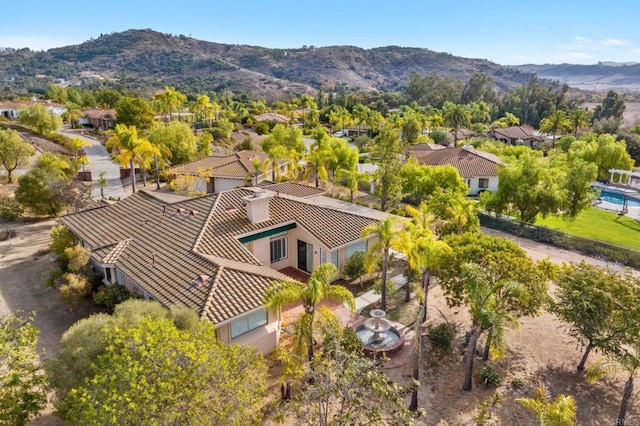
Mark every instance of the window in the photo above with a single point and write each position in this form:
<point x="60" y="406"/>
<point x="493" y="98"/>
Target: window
<point x="334" y="258"/>
<point x="483" y="183"/>
<point x="248" y="322"/>
<point x="107" y="271"/>
<point x="353" y="248"/>
<point x="278" y="249"/>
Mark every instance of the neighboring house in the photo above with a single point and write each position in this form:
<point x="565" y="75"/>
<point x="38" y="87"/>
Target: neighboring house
<point x="10" y="109"/>
<point x="463" y="134"/>
<point x="221" y="173"/>
<point x="516" y="135"/>
<point x="217" y="254"/>
<point x="479" y="169"/>
<point x="272" y="116"/>
<point x="98" y="118"/>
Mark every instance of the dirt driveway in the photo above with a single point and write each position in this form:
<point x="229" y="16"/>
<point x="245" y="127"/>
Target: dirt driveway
<point x="23" y="270"/>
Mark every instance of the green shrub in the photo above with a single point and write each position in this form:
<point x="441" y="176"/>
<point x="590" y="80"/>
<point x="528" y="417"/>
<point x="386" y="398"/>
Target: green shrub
<point x="109" y="296"/>
<point x="54" y="277"/>
<point x="77" y="257"/>
<point x="490" y="377"/>
<point x="74" y="288"/>
<point x="441" y="338"/>
<point x="10" y="208"/>
<point x="261" y="128"/>
<point x="354" y="267"/>
<point x="61" y="239"/>
<point x="183" y="317"/>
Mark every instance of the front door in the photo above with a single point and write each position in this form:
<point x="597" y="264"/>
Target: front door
<point x="305" y="256"/>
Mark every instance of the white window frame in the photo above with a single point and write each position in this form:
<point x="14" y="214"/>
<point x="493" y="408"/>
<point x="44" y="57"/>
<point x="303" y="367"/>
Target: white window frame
<point x="283" y="242"/>
<point x="480" y="186"/>
<point x="247" y="323"/>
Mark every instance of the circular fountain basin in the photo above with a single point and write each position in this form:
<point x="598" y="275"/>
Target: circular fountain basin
<point x="389" y="342"/>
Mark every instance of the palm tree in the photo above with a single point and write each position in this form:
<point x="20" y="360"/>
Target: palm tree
<point x="484" y="305"/>
<point x="556" y="122"/>
<point x="558" y="411"/>
<point x="317" y="290"/>
<point x="260" y="167"/>
<point x="125" y="139"/>
<point x="147" y="151"/>
<point x="456" y="115"/>
<point x="351" y="178"/>
<point x="76" y="145"/>
<point x="73" y="113"/>
<point x="387" y="235"/>
<point x="170" y="100"/>
<point x="579" y="118"/>
<point x="318" y="158"/>
<point x="627" y="360"/>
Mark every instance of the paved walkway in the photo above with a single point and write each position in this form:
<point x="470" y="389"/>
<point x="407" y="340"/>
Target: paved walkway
<point x="100" y="161"/>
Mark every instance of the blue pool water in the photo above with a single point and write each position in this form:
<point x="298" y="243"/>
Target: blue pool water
<point x="615" y="198"/>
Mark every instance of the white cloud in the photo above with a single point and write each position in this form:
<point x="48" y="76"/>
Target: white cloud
<point x="613" y="42"/>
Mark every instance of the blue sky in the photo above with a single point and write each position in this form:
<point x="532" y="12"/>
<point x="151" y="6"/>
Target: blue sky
<point x="509" y="33"/>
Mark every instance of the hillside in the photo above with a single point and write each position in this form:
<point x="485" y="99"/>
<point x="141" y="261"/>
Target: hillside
<point x="147" y="60"/>
<point x="600" y="77"/>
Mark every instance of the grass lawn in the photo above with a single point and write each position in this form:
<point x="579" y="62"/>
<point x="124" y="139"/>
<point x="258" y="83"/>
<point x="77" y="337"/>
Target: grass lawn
<point x="599" y="225"/>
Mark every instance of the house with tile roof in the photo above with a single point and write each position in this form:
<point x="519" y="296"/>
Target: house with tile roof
<point x="98" y="118"/>
<point x="10" y="109"/>
<point x="516" y="135"/>
<point x="272" y="116"/>
<point x="217" y="254"/>
<point x="224" y="172"/>
<point x="479" y="169"/>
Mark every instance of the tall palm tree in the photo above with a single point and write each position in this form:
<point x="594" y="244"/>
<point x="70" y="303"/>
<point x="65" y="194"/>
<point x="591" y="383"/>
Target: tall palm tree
<point x="579" y="119"/>
<point x="320" y="154"/>
<point x="76" y="145"/>
<point x="317" y="290"/>
<point x="146" y="151"/>
<point x="388" y="236"/>
<point x="351" y="177"/>
<point x="125" y="139"/>
<point x="260" y="167"/>
<point x="456" y="115"/>
<point x="556" y="122"/>
<point x="628" y="361"/>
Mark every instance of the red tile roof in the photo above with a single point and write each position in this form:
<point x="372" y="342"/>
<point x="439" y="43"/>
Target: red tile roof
<point x="469" y="161"/>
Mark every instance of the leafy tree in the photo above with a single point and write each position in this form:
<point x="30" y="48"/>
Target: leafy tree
<point x="479" y="88"/>
<point x="579" y="193"/>
<point x="612" y="107"/>
<point x="421" y="181"/>
<point x="530" y="187"/>
<point x="319" y="157"/>
<point x="77" y="257"/>
<point x="170" y="100"/>
<point x="346" y="389"/>
<point x="74" y="288"/>
<point x="288" y="137"/>
<point x="345" y="156"/>
<point x="603" y="151"/>
<point x="139" y="367"/>
<point x="386" y="237"/>
<point x="76" y="145"/>
<point x="61" y="239"/>
<point x="39" y="119"/>
<point x="498" y="283"/>
<point x="159" y="374"/>
<point x="351" y="178"/>
<point x="591" y="301"/>
<point x="34" y="192"/>
<point x="10" y="208"/>
<point x="22" y="382"/>
<point x="135" y="112"/>
<point x="204" y="145"/>
<point x="453" y="213"/>
<point x="14" y="152"/>
<point x="456" y="115"/>
<point x="385" y="150"/>
<point x="354" y="267"/>
<point x="317" y="289"/>
<point x="177" y="137"/>
<point x="579" y="119"/>
<point x="560" y="411"/>
<point x="555" y="123"/>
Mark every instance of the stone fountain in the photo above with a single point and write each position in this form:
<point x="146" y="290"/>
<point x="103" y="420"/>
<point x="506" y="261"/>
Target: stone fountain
<point x="378" y="336"/>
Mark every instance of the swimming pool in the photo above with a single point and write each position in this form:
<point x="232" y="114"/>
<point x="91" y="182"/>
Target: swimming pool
<point x="615" y="198"/>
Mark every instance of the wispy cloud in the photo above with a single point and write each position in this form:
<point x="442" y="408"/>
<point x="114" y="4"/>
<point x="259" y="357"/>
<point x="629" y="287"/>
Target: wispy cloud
<point x="587" y="50"/>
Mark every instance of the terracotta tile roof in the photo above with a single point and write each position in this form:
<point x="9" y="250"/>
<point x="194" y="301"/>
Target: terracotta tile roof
<point x="272" y="116"/>
<point x="96" y="113"/>
<point x="514" y="132"/>
<point x="294" y="188"/>
<point x="469" y="161"/>
<point x="235" y="166"/>
<point x="426" y="147"/>
<point x="166" y="248"/>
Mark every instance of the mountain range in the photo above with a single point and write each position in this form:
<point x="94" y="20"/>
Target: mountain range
<point x="146" y="60"/>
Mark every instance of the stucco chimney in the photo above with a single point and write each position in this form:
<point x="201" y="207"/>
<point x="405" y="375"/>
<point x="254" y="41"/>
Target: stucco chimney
<point x="257" y="206"/>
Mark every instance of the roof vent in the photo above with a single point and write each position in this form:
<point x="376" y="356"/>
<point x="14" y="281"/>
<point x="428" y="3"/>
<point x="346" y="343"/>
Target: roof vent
<point x="193" y="213"/>
<point x="200" y="280"/>
<point x="230" y="209"/>
<point x="181" y="211"/>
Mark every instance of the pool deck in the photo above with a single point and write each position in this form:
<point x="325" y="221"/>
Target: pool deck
<point x="632" y="212"/>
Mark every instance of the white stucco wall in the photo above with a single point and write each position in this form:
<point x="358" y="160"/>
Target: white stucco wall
<point x="474" y="181"/>
<point x="264" y="338"/>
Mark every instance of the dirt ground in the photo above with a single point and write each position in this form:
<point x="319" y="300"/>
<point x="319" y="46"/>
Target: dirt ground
<point x="24" y="267"/>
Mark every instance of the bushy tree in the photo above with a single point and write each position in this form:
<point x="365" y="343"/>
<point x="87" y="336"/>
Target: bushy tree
<point x="420" y="181"/>
<point x="14" y="152"/>
<point x="38" y="118"/>
<point x="22" y="382"/>
<point x="77" y="258"/>
<point x="178" y="137"/>
<point x="135" y="112"/>
<point x="74" y="288"/>
<point x="61" y="239"/>
<point x="138" y="367"/>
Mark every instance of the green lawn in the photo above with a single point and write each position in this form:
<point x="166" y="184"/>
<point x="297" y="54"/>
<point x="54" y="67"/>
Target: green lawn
<point x="600" y="225"/>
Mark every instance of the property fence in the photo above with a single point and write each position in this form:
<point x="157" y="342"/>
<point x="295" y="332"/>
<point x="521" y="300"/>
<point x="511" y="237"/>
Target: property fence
<point x="586" y="246"/>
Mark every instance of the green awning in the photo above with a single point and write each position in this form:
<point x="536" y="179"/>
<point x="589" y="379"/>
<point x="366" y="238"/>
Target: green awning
<point x="265" y="234"/>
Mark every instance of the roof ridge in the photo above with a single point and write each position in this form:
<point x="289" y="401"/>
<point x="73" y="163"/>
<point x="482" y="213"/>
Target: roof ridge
<point x="204" y="225"/>
<point x="245" y="268"/>
<point x="214" y="286"/>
